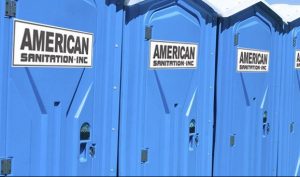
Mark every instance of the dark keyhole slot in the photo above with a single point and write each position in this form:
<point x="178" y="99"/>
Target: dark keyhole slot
<point x="292" y="127"/>
<point x="254" y="98"/>
<point x="175" y="105"/>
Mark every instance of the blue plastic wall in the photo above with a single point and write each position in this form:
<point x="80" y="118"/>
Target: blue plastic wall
<point x="157" y="106"/>
<point x="42" y="109"/>
<point x="244" y="99"/>
<point x="289" y="144"/>
<point x="137" y="113"/>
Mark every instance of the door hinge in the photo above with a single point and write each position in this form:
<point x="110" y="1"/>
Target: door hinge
<point x="236" y="39"/>
<point x="294" y="41"/>
<point x="10" y="8"/>
<point x="6" y="167"/>
<point x="148" y="33"/>
<point x="144" y="156"/>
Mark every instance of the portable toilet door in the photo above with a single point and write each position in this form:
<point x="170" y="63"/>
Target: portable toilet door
<point x="248" y="91"/>
<point x="59" y="68"/>
<point x="289" y="145"/>
<point x="167" y="89"/>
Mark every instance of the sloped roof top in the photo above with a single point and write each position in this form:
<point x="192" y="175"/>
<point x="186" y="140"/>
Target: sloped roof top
<point x="288" y="13"/>
<point x="226" y="8"/>
<point x="223" y="8"/>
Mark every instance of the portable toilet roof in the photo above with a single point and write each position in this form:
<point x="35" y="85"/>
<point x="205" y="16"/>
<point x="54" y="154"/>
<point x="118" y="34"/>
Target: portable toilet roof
<point x="227" y="8"/>
<point x="289" y="13"/>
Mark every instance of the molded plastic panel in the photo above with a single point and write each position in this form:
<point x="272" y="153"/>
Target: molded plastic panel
<point x="247" y="102"/>
<point x="45" y="108"/>
<point x="289" y="145"/>
<point x="167" y="114"/>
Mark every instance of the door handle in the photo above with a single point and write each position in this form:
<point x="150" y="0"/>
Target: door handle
<point x="92" y="150"/>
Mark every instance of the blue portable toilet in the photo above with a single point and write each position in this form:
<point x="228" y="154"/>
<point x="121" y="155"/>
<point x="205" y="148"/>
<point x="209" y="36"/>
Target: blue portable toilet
<point x="168" y="71"/>
<point x="289" y="145"/>
<point x="248" y="87"/>
<point x="60" y="81"/>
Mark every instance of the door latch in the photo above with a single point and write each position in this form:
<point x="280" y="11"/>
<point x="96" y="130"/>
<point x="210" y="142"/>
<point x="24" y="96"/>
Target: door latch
<point x="266" y="124"/>
<point x="193" y="136"/>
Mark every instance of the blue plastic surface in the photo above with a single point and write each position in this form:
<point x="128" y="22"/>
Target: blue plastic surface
<point x="153" y="122"/>
<point x="244" y="99"/>
<point x="3" y="78"/>
<point x="289" y="145"/>
<point x="158" y="106"/>
<point x="43" y="109"/>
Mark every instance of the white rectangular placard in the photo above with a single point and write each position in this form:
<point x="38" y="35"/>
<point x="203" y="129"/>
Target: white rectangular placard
<point x="173" y="55"/>
<point x="250" y="60"/>
<point x="39" y="45"/>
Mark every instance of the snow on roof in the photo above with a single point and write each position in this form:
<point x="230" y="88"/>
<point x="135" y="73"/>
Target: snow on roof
<point x="288" y="13"/>
<point x="132" y="2"/>
<point x="224" y="8"/>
